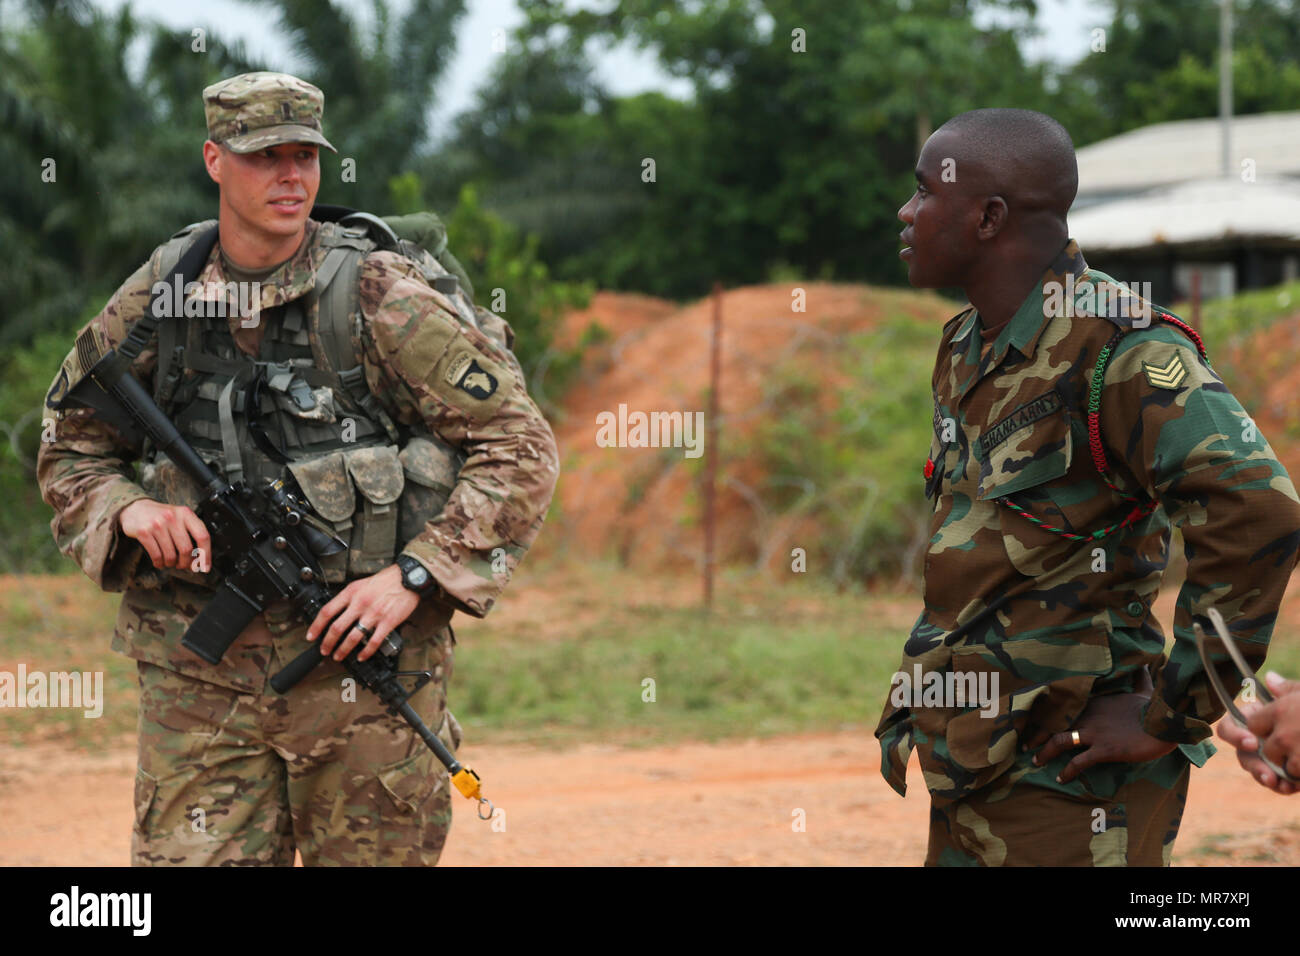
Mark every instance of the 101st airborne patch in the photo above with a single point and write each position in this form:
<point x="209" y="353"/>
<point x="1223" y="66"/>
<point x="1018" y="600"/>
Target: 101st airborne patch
<point x="1170" y="375"/>
<point x="467" y="375"/>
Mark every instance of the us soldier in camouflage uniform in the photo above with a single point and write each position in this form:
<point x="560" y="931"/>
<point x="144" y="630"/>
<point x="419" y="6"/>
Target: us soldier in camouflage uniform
<point x="1072" y="428"/>
<point x="229" y="771"/>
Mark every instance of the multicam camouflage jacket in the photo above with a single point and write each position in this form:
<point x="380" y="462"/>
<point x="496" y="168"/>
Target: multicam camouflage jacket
<point x="1049" y="539"/>
<point x="410" y="343"/>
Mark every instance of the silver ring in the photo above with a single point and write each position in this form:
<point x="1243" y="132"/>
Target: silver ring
<point x="369" y="632"/>
<point x="1075" y="740"/>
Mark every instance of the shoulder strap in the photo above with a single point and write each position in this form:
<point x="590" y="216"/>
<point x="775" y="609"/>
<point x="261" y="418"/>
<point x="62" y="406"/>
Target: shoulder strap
<point x="338" y="294"/>
<point x="187" y="269"/>
<point x="183" y="256"/>
<point x="178" y="243"/>
<point x="1098" y="381"/>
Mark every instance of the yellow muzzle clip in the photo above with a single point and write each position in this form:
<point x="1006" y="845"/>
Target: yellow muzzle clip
<point x="468" y="783"/>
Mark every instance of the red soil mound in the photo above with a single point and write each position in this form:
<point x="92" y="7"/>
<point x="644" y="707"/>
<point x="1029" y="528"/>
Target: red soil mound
<point x="645" y="504"/>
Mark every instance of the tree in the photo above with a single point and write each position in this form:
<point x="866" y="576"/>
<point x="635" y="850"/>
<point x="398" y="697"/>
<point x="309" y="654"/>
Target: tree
<point x="1161" y="62"/>
<point x="798" y="147"/>
<point x="377" y="86"/>
<point x="102" y="167"/>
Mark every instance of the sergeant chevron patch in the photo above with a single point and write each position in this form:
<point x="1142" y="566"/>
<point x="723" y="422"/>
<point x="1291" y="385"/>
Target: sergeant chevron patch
<point x="1171" y="375"/>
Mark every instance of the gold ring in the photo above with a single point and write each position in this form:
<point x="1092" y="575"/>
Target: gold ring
<point x="1074" y="738"/>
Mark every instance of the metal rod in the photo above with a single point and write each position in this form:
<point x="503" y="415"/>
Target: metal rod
<point x="711" y="461"/>
<point x="1225" y="84"/>
<point x="1196" y="298"/>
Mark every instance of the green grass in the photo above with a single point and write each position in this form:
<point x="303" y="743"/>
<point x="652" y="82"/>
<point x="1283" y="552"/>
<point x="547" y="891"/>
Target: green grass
<point x="1234" y="317"/>
<point x="716" y="677"/>
<point x="62" y="623"/>
<point x="1215" y="845"/>
<point x="751" y="668"/>
<point x="1284" y="655"/>
<point x="1267" y="845"/>
<point x="774" y="658"/>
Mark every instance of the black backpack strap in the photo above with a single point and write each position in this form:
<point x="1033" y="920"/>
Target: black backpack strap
<point x="188" y="268"/>
<point x="174" y="266"/>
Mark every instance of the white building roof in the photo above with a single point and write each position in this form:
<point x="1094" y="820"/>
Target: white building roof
<point x="1203" y="211"/>
<point x="1188" y="149"/>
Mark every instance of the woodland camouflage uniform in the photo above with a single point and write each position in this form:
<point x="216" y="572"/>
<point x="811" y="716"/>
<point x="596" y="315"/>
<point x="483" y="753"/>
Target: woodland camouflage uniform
<point x="230" y="772"/>
<point x="1060" y="618"/>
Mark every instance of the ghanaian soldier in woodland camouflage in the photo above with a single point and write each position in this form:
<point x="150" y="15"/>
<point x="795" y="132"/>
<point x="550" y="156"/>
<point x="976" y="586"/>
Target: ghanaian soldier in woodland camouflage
<point x="1074" y="423"/>
<point x="431" y="447"/>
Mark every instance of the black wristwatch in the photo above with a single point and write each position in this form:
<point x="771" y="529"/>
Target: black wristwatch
<point x="415" y="577"/>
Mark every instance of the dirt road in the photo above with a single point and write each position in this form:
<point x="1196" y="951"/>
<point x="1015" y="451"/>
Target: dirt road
<point x="727" y="804"/>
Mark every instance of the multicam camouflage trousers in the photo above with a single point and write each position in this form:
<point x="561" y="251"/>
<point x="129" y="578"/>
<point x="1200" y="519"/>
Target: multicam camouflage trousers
<point x="227" y="778"/>
<point x="1029" y="825"/>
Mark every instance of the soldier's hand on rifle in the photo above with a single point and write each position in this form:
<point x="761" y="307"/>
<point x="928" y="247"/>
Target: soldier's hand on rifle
<point x="168" y="533"/>
<point x="378" y="603"/>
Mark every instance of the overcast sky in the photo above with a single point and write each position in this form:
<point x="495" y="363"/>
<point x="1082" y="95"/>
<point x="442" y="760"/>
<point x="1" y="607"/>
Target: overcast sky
<point x="623" y="70"/>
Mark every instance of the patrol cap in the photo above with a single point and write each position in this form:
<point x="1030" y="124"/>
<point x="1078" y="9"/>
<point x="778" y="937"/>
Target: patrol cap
<point x="255" y="110"/>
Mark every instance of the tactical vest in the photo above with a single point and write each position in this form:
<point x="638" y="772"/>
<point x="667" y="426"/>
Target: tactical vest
<point x="304" y="406"/>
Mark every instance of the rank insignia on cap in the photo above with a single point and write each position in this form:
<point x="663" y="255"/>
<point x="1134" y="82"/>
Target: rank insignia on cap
<point x="468" y="376"/>
<point x="1170" y="375"/>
